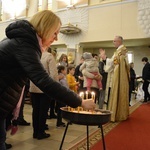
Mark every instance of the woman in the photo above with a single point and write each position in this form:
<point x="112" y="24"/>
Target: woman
<point x="40" y="109"/>
<point x="63" y="60"/>
<point x="91" y="65"/>
<point x="20" y="54"/>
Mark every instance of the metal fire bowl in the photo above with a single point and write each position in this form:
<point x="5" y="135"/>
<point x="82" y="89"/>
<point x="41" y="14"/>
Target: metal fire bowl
<point x="86" y="119"/>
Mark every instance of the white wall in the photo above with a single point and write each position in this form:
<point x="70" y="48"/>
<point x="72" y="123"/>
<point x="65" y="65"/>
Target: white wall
<point x="120" y="19"/>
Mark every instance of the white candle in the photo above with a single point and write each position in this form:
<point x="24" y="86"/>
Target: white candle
<point x="81" y="95"/>
<point x="86" y="94"/>
<point x="93" y="96"/>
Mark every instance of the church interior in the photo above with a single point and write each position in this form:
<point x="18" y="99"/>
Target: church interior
<point x="87" y="26"/>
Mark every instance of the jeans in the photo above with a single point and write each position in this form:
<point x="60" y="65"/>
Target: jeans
<point x="2" y="134"/>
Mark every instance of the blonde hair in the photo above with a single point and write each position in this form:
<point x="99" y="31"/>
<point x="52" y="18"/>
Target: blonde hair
<point x="45" y="23"/>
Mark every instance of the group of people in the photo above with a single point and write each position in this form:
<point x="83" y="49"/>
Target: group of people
<point x="116" y="79"/>
<point x="111" y="77"/>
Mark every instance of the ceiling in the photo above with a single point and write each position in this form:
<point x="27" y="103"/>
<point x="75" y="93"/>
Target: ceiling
<point x="144" y="42"/>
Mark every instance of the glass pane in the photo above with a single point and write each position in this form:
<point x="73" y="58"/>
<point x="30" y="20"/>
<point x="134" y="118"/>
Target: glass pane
<point x="130" y="57"/>
<point x="40" y="5"/>
<point x="49" y="4"/>
<point x="13" y="8"/>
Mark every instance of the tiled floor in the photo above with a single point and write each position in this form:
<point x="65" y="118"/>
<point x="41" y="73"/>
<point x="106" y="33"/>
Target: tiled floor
<point x="23" y="140"/>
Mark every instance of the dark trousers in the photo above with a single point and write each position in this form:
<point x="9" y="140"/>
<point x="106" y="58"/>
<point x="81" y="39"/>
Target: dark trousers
<point x="52" y="106"/>
<point x="2" y="134"/>
<point x="40" y="104"/>
<point x="59" y="117"/>
<point x="130" y="93"/>
<point x="145" y="89"/>
<point x="8" y="120"/>
<point x="108" y="98"/>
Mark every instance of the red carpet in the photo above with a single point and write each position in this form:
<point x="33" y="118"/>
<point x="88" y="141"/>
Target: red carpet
<point x="132" y="134"/>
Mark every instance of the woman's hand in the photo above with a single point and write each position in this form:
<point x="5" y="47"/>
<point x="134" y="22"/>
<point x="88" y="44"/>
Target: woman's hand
<point x="88" y="104"/>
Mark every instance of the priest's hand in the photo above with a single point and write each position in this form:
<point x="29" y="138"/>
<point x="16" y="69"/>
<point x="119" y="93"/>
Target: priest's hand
<point x="102" y="54"/>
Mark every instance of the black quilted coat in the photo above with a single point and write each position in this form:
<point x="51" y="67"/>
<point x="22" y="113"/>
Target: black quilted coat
<point x="20" y="59"/>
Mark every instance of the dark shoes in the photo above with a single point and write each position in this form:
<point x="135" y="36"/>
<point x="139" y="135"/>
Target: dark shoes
<point x="8" y="146"/>
<point x="23" y="123"/>
<point x="61" y="125"/>
<point x="46" y="127"/>
<point x="52" y="117"/>
<point x="41" y="136"/>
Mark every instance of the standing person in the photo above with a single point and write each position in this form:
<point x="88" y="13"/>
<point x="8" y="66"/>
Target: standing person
<point x="119" y="93"/>
<point x="61" y="71"/>
<point x="104" y="74"/>
<point x="132" y="81"/>
<point x="146" y="78"/>
<point x="63" y="60"/>
<point x="90" y="64"/>
<point x="40" y="109"/>
<point x="79" y="76"/>
<point x="20" y="54"/>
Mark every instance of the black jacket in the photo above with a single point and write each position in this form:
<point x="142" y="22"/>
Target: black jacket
<point x="132" y="80"/>
<point x="103" y="73"/>
<point x="146" y="72"/>
<point x="20" y="59"/>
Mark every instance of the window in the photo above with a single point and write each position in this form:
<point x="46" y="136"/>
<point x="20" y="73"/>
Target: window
<point x="12" y="9"/>
<point x="49" y="4"/>
<point x="130" y="56"/>
<point x="1" y="10"/>
<point x="40" y="5"/>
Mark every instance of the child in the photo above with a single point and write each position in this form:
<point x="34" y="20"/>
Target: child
<point x="63" y="81"/>
<point x="91" y="65"/>
<point x="71" y="79"/>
